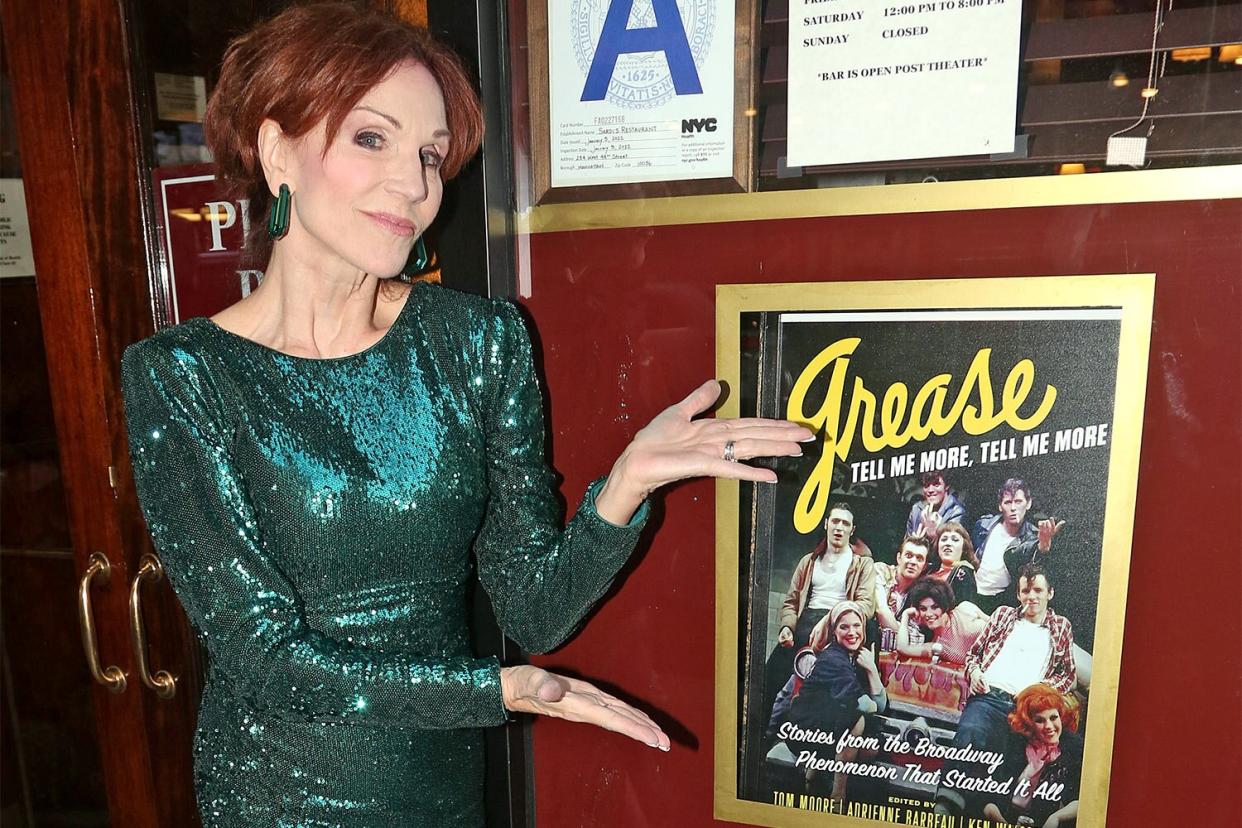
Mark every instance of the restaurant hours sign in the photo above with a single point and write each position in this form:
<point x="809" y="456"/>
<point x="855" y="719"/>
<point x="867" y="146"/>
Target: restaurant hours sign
<point x="902" y="80"/>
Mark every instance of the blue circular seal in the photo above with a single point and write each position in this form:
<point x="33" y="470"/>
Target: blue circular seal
<point x="641" y="80"/>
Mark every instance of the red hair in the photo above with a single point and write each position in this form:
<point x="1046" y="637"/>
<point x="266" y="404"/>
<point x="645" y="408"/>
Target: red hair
<point x="1036" y="699"/>
<point x="311" y="64"/>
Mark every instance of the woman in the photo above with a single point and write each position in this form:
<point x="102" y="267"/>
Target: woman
<point x="316" y="462"/>
<point x="949" y="628"/>
<point x="844" y="686"/>
<point x="956" y="562"/>
<point x="1048" y="769"/>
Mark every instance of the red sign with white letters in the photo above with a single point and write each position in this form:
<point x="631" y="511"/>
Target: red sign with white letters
<point x="201" y="234"/>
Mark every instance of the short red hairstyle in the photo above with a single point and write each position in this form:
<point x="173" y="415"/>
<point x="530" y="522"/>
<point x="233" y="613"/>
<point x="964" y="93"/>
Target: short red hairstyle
<point x="311" y="64"/>
<point x="1036" y="699"/>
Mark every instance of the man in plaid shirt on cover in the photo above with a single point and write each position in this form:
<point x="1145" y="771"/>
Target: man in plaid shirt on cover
<point x="1020" y="646"/>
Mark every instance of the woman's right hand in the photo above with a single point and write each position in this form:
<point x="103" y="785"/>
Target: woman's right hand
<point x="679" y="444"/>
<point x="529" y="689"/>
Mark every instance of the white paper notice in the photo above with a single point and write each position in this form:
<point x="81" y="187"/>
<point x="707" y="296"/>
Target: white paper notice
<point x="881" y="82"/>
<point x="640" y="90"/>
<point x="16" y="253"/>
<point x="180" y="97"/>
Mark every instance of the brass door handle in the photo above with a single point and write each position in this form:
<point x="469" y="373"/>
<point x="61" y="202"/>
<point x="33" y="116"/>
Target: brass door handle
<point x="98" y="570"/>
<point x="163" y="682"/>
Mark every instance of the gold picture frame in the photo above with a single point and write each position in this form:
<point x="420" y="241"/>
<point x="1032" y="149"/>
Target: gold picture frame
<point x="1058" y="297"/>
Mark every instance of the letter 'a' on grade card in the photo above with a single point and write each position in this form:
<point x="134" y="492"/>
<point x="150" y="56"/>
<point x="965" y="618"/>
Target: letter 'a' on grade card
<point x="971" y="491"/>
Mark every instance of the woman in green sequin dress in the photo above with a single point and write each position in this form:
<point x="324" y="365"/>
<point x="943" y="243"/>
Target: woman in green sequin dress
<point x="317" y="462"/>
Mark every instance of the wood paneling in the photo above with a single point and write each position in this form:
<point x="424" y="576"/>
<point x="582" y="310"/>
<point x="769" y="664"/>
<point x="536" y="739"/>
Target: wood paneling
<point x="1180" y="96"/>
<point x="1129" y="33"/>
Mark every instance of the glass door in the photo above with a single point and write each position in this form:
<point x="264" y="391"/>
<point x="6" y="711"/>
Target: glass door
<point x="52" y="771"/>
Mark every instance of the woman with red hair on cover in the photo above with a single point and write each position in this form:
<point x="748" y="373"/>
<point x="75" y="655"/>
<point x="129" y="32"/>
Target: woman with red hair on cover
<point x="1047" y="769"/>
<point x="317" y="462"/>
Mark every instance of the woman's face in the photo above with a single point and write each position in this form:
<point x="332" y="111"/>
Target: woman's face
<point x="930" y="614"/>
<point x="1048" y="726"/>
<point x="363" y="204"/>
<point x="950" y="548"/>
<point x="849" y="631"/>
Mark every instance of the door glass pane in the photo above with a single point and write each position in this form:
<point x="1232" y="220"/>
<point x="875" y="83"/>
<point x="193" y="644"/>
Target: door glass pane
<point x="183" y="42"/>
<point x="199" y="232"/>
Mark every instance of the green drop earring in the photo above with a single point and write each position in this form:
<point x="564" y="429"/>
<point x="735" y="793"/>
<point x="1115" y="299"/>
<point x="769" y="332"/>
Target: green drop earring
<point x="278" y="218"/>
<point x="418" y="261"/>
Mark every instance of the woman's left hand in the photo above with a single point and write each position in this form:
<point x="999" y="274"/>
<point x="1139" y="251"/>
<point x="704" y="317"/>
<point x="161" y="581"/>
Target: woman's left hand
<point x="675" y="446"/>
<point x="530" y="689"/>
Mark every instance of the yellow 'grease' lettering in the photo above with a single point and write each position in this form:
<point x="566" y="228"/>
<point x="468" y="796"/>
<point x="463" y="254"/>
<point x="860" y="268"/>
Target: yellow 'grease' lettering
<point x="927" y="415"/>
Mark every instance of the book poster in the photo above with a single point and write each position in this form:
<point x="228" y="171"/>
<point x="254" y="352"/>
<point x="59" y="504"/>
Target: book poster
<point x="920" y="622"/>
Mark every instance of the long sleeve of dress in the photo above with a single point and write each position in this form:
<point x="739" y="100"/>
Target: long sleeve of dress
<point x="243" y="606"/>
<point x="542" y="579"/>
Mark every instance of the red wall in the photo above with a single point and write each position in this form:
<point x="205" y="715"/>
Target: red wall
<point x="626" y="318"/>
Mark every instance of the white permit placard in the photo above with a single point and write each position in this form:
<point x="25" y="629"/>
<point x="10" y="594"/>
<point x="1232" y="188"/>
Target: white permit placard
<point x="16" y="251"/>
<point x="640" y="90"/>
<point x="901" y="80"/>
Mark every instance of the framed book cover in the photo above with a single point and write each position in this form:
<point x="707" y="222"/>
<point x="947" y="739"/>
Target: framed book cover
<point x="920" y="622"/>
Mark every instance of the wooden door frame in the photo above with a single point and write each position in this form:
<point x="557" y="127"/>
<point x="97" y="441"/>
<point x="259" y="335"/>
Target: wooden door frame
<point x="81" y="162"/>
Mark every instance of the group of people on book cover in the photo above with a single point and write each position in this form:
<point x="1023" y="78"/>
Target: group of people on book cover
<point x="972" y="597"/>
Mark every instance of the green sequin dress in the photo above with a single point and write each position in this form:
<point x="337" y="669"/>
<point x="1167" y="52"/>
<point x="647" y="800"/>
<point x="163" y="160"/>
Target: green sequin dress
<point x="316" y="519"/>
